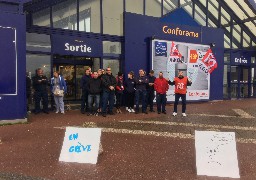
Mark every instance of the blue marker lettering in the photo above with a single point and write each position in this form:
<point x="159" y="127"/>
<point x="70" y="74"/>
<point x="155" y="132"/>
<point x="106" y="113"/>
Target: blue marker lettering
<point x="71" y="149"/>
<point x="73" y="136"/>
<point x="77" y="149"/>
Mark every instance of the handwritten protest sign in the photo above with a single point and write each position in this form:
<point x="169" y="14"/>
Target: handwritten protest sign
<point x="81" y="145"/>
<point x="216" y="154"/>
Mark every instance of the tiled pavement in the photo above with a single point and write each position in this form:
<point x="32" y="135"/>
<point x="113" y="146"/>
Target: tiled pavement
<point x="143" y="146"/>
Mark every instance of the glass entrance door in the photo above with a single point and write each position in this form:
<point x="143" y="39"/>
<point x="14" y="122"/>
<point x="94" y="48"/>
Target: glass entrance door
<point x="240" y="82"/>
<point x="72" y="75"/>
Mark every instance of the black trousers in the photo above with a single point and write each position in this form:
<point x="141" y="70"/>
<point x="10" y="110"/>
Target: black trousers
<point x="183" y="99"/>
<point x="130" y="99"/>
<point x="38" y="96"/>
<point x="151" y="96"/>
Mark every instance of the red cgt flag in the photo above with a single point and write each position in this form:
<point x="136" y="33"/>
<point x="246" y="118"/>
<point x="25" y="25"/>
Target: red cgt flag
<point x="210" y="61"/>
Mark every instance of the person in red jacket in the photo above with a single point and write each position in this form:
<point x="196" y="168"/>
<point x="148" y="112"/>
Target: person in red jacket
<point x="181" y="84"/>
<point x="119" y="91"/>
<point x="161" y="86"/>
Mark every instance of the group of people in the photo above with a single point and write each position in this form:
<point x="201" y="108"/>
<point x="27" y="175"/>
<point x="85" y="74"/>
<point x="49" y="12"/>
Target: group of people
<point x="101" y="88"/>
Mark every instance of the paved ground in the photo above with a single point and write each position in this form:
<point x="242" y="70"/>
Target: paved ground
<point x="136" y="146"/>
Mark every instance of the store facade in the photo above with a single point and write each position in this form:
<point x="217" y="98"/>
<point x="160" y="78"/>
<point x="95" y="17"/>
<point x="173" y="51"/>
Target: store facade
<point x="71" y="35"/>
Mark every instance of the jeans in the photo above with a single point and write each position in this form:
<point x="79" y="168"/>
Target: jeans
<point x="84" y="103"/>
<point x="161" y="102"/>
<point x="38" y="95"/>
<point x="59" y="103"/>
<point x="93" y="98"/>
<point x="151" y="96"/>
<point x="108" y="97"/>
<point x="183" y="98"/>
<point x="143" y="95"/>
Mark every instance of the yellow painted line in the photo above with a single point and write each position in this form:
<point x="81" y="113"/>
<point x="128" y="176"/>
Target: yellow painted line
<point x="192" y="125"/>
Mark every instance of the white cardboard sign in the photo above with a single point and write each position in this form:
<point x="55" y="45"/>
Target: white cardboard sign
<point x="81" y="145"/>
<point x="216" y="154"/>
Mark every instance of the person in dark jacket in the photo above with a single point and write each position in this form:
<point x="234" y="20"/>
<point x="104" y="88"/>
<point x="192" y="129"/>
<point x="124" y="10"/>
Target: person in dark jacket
<point x="28" y="90"/>
<point x="151" y="90"/>
<point x="83" y="85"/>
<point x="141" y="91"/>
<point x="119" y="91"/>
<point x="129" y="86"/>
<point x="40" y="85"/>
<point x="94" y="87"/>
<point x="109" y="84"/>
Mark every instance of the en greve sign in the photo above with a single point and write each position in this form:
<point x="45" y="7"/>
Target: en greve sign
<point x="78" y="48"/>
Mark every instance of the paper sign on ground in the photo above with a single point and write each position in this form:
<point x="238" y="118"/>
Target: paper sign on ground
<point x="81" y="145"/>
<point x="216" y="154"/>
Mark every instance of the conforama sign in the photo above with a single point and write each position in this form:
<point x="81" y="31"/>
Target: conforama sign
<point x="77" y="46"/>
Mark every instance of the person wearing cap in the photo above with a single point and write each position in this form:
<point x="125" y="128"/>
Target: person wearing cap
<point x="119" y="91"/>
<point x="181" y="84"/>
<point x="151" y="90"/>
<point x="161" y="86"/>
<point x="129" y="86"/>
<point x="141" y="92"/>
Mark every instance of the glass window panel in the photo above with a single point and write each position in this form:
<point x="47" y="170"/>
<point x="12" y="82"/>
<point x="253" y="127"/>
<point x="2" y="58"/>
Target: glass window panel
<point x="237" y="33"/>
<point x="64" y="15"/>
<point x="34" y="61"/>
<point x="226" y="41"/>
<point x="251" y="26"/>
<point x="213" y="9"/>
<point x="113" y="17"/>
<point x="203" y="2"/>
<point x="246" y="40"/>
<point x="153" y="8"/>
<point x="211" y="24"/>
<point x="234" y="45"/>
<point x="134" y="6"/>
<point x="111" y="47"/>
<point x="89" y="16"/>
<point x="200" y="16"/>
<point x="169" y="5"/>
<point x="225" y="17"/>
<point x="38" y="42"/>
<point x="236" y="9"/>
<point x="42" y="18"/>
<point x="113" y="64"/>
<point x="247" y="9"/>
<point x="188" y="8"/>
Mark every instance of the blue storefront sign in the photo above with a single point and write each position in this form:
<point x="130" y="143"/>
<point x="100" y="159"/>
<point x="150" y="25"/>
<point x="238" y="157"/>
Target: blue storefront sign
<point x="76" y="46"/>
<point x="240" y="58"/>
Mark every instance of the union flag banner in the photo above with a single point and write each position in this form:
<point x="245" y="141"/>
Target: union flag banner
<point x="210" y="61"/>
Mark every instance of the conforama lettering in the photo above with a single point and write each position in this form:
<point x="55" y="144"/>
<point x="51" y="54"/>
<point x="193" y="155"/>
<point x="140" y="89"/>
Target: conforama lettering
<point x="81" y="48"/>
<point x="178" y="32"/>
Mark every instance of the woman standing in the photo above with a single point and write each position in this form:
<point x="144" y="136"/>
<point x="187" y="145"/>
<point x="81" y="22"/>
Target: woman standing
<point x="129" y="85"/>
<point x="58" y="88"/>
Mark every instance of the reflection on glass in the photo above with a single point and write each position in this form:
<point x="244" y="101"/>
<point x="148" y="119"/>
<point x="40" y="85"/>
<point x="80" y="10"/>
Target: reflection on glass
<point x="113" y="64"/>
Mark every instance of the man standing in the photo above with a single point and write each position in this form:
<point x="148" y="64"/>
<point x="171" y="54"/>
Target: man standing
<point x="94" y="87"/>
<point x="161" y="86"/>
<point x="40" y="83"/>
<point x="83" y="85"/>
<point x="141" y="92"/>
<point x="151" y="90"/>
<point x="109" y="84"/>
<point x="181" y="84"/>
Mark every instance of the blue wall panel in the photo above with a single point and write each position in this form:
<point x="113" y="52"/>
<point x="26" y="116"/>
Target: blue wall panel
<point x="12" y="95"/>
<point x="139" y="30"/>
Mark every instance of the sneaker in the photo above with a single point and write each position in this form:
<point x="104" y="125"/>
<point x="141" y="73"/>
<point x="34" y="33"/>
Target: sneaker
<point x="82" y="111"/>
<point x="145" y="112"/>
<point x="174" y="114"/>
<point x="132" y="110"/>
<point x="117" y="111"/>
<point x="88" y="114"/>
<point x="164" y="112"/>
<point x="62" y="112"/>
<point x="57" y="112"/>
<point x="104" y="115"/>
<point x="96" y="114"/>
<point x="129" y="110"/>
<point x="126" y="108"/>
<point x="158" y="112"/>
<point x="184" y="114"/>
<point x="120" y="111"/>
